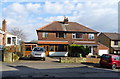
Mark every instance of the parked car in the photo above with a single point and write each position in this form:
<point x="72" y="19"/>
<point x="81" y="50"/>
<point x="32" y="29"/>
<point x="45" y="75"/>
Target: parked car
<point x="38" y="52"/>
<point x="110" y="60"/>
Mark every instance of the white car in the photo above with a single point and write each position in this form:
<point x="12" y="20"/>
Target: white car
<point x="38" y="52"/>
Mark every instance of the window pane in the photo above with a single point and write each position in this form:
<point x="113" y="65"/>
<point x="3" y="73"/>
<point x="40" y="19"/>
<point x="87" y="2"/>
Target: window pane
<point x="73" y="35"/>
<point x="57" y="34"/>
<point x="8" y="40"/>
<point x="52" y="48"/>
<point x="116" y="58"/>
<point x="13" y="40"/>
<point x="45" y="35"/>
<point x="78" y="35"/>
<point x="91" y="36"/>
<point x="27" y="48"/>
<point x="38" y="49"/>
<point x="60" y="47"/>
<point x="115" y="42"/>
<point x="61" y="35"/>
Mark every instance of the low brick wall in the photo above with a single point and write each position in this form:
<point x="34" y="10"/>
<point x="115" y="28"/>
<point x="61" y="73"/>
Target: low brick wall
<point x="72" y="60"/>
<point x="78" y="60"/>
<point x="92" y="60"/>
<point x="10" y="57"/>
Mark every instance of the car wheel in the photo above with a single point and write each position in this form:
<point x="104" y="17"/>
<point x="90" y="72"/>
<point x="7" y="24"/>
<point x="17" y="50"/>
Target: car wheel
<point x="114" y="66"/>
<point x="101" y="65"/>
<point x="31" y="58"/>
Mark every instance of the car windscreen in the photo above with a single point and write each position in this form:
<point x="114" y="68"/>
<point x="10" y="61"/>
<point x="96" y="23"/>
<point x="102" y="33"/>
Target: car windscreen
<point x="106" y="57"/>
<point x="38" y="49"/>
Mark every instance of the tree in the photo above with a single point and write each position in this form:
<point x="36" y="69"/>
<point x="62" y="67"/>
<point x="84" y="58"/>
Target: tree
<point x="19" y="33"/>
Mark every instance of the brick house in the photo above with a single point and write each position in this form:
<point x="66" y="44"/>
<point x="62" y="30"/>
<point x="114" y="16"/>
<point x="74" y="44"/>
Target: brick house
<point x="110" y="40"/>
<point x="56" y="36"/>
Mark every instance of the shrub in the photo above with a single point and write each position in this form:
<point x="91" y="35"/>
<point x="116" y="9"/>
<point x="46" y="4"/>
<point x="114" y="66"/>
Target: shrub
<point x="76" y="50"/>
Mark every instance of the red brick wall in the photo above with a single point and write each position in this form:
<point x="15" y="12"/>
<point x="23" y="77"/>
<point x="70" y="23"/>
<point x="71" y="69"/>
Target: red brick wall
<point x="52" y="36"/>
<point x="102" y="47"/>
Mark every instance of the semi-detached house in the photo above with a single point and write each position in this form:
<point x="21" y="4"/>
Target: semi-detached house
<point x="56" y="36"/>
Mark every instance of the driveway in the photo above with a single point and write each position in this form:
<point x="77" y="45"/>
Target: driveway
<point x="52" y="69"/>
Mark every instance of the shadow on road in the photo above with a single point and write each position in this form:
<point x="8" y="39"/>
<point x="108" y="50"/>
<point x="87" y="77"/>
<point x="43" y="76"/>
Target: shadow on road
<point x="82" y="72"/>
<point x="28" y="59"/>
<point x="95" y="65"/>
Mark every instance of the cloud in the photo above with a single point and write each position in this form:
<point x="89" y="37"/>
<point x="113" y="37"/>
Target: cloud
<point x="33" y="7"/>
<point x="58" y="0"/>
<point x="98" y="15"/>
<point x="58" y="7"/>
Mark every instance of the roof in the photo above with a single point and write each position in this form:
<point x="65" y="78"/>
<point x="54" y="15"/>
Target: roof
<point x="60" y="26"/>
<point x="113" y="36"/>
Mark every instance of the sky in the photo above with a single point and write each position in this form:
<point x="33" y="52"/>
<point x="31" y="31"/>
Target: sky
<point x="30" y="15"/>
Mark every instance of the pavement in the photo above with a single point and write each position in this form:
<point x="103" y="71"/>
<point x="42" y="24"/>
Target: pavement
<point x="51" y="68"/>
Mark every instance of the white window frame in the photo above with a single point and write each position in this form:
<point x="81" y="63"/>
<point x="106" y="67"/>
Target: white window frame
<point x="74" y="36"/>
<point x="45" y="34"/>
<point x="58" y="36"/>
<point x="90" y="36"/>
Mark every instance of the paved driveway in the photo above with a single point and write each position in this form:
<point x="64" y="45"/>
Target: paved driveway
<point x="52" y="69"/>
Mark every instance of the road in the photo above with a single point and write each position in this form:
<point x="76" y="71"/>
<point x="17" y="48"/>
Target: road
<point x="52" y="69"/>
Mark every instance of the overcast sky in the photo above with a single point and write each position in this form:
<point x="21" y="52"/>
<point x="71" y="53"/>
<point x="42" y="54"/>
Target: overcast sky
<point x="30" y="15"/>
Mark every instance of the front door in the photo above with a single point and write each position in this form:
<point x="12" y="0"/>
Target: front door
<point x="46" y="47"/>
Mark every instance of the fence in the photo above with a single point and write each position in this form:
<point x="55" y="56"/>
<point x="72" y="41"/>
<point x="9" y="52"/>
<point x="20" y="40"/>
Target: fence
<point x="12" y="48"/>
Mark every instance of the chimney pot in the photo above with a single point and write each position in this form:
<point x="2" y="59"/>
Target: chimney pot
<point x="65" y="20"/>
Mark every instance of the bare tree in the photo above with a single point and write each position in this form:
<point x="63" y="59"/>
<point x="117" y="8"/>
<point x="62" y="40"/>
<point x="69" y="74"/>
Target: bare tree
<point x="19" y="33"/>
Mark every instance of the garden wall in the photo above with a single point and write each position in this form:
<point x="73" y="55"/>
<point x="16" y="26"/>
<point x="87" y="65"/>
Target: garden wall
<point x="78" y="60"/>
<point x="10" y="57"/>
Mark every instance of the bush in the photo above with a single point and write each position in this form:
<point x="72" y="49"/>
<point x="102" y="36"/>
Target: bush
<point x="20" y="54"/>
<point x="76" y="50"/>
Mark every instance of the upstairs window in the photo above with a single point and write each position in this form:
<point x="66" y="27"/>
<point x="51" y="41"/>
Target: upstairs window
<point x="14" y="40"/>
<point x="60" y="35"/>
<point x="77" y="35"/>
<point x="45" y="35"/>
<point x="115" y="42"/>
<point x="91" y="36"/>
<point x="9" y="40"/>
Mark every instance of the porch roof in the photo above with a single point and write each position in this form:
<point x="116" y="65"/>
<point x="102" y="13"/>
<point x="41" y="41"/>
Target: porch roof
<point x="86" y="43"/>
<point x="52" y="42"/>
<point x="116" y="48"/>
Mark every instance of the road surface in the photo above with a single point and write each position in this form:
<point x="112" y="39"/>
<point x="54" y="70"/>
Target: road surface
<point x="52" y="69"/>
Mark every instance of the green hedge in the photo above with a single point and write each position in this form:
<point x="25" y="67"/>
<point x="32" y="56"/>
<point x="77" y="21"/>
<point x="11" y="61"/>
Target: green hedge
<point x="78" y="50"/>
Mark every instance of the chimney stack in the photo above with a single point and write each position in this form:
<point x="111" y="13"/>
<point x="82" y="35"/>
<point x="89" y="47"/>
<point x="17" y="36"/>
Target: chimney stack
<point x="65" y="20"/>
<point x="4" y="30"/>
<point x="4" y="25"/>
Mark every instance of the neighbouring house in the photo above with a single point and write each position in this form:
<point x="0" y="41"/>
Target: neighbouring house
<point x="56" y="36"/>
<point x="8" y="38"/>
<point x="102" y="49"/>
<point x="110" y="40"/>
<point x="1" y="38"/>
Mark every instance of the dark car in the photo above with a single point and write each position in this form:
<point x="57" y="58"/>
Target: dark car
<point x="110" y="60"/>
